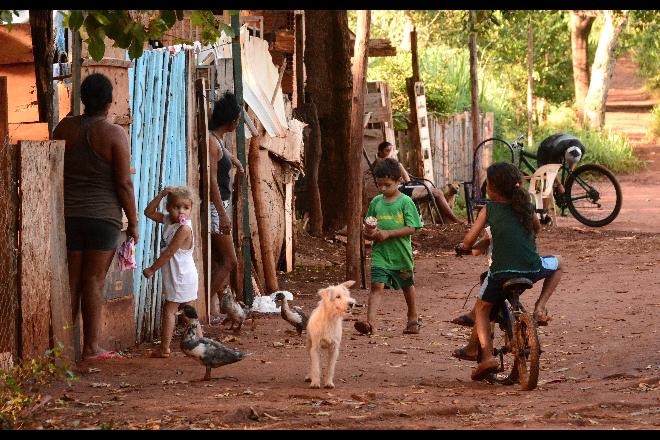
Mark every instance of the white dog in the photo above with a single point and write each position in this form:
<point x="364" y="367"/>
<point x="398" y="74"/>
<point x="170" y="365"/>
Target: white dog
<point x="324" y="330"/>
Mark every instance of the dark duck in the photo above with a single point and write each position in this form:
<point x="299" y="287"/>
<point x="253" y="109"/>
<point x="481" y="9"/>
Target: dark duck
<point x="206" y="351"/>
<point x="293" y="315"/>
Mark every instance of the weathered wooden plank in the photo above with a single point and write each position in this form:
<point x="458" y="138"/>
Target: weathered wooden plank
<point x="9" y="277"/>
<point x="193" y="177"/>
<point x="60" y="295"/>
<point x="34" y="252"/>
<point x="205" y="168"/>
<point x="288" y="215"/>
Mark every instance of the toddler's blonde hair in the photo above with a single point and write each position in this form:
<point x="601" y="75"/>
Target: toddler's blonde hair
<point x="181" y="191"/>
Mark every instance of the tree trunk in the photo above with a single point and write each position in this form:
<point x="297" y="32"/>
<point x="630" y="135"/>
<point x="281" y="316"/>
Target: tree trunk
<point x="413" y="122"/>
<point x="530" y="80"/>
<point x="602" y="69"/>
<point x="307" y="113"/>
<point x="327" y="55"/>
<point x="43" y="49"/>
<point x="474" y="91"/>
<point x="355" y="177"/>
<point x="261" y="212"/>
<point x="580" y="29"/>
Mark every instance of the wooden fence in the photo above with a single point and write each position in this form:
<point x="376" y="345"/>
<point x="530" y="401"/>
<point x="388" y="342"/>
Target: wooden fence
<point x="159" y="155"/>
<point x="451" y="147"/>
<point x="35" y="303"/>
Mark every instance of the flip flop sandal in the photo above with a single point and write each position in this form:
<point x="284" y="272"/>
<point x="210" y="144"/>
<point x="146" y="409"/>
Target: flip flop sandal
<point x="463" y="320"/>
<point x="413" y="327"/>
<point x="363" y="327"/>
<point x="483" y="371"/>
<point x="105" y="356"/>
<point x="461" y="353"/>
<point x="542" y="319"/>
<point x="159" y="354"/>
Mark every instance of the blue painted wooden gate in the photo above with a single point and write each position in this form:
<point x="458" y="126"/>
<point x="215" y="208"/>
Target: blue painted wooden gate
<point x="158" y="153"/>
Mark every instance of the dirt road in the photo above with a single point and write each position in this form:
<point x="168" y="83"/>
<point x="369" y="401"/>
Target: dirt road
<point x="600" y="361"/>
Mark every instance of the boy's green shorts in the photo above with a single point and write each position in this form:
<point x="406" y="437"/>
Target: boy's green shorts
<point x="393" y="279"/>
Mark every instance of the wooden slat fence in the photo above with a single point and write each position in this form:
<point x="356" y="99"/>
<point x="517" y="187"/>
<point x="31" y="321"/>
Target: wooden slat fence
<point x="158" y="144"/>
<point x="451" y="147"/>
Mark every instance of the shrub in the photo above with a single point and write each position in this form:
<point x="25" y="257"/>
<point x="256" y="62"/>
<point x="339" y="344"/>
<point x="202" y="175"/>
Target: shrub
<point x="654" y="128"/>
<point x="19" y="386"/>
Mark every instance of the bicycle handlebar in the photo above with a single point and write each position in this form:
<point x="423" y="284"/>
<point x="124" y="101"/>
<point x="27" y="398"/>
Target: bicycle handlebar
<point x="460" y="251"/>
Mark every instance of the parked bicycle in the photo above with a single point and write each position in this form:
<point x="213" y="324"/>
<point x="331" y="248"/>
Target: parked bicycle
<point x="591" y="192"/>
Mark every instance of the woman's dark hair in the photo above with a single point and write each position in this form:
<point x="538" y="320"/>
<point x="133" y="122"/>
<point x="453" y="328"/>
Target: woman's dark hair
<point x="225" y="110"/>
<point x="387" y="168"/>
<point x="383" y="145"/>
<point x="95" y="93"/>
<point x="506" y="180"/>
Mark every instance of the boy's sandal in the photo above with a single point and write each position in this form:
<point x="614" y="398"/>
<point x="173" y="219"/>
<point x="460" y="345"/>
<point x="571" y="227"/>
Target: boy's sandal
<point x="463" y="320"/>
<point x="542" y="319"/>
<point x="461" y="353"/>
<point x="484" y="369"/>
<point x="413" y="327"/>
<point x="363" y="327"/>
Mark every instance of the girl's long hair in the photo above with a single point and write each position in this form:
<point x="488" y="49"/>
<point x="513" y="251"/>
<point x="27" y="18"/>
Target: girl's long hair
<point x="506" y="180"/>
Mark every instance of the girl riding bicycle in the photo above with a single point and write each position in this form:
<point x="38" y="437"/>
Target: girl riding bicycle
<point x="513" y="228"/>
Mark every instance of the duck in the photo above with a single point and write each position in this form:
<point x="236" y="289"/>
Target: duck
<point x="236" y="312"/>
<point x="293" y="315"/>
<point x="206" y="351"/>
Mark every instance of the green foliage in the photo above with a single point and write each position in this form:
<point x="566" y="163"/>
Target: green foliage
<point x="654" y="128"/>
<point x="7" y="17"/>
<point x="642" y="42"/>
<point x="128" y="31"/>
<point x="19" y="386"/>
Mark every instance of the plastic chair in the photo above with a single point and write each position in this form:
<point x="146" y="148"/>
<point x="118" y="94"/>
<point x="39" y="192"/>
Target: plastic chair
<point x="540" y="188"/>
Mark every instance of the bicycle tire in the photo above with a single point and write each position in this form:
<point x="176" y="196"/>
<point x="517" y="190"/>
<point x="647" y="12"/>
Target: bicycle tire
<point x="579" y="212"/>
<point x="502" y="344"/>
<point x="528" y="352"/>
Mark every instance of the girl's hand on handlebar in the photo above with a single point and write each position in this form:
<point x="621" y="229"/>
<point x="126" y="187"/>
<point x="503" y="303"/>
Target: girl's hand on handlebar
<point x="460" y="250"/>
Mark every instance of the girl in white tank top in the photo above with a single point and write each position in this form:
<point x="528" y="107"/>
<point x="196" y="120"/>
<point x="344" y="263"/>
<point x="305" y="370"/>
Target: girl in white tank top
<point x="179" y="274"/>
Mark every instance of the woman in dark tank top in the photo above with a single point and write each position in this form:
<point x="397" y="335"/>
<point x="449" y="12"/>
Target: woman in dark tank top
<point x="97" y="186"/>
<point x="224" y="119"/>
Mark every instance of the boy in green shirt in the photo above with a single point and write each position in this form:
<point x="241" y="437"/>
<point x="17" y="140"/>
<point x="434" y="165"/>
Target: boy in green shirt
<point x="391" y="257"/>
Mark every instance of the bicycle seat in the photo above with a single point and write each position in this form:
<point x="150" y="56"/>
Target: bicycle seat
<point x="517" y="284"/>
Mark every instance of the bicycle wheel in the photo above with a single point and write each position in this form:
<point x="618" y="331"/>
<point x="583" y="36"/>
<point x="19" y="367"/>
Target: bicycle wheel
<point x="507" y="374"/>
<point x="527" y="351"/>
<point x="593" y="195"/>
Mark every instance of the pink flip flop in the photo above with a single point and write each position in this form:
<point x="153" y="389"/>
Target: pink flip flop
<point x="105" y="356"/>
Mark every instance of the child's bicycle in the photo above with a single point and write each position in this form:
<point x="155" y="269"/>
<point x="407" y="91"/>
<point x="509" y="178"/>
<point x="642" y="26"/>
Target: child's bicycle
<point x="591" y="192"/>
<point x="517" y="343"/>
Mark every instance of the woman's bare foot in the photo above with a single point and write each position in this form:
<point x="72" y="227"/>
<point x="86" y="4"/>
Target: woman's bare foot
<point x="160" y="353"/>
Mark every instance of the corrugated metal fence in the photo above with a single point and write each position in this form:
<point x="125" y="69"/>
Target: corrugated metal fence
<point x="158" y="144"/>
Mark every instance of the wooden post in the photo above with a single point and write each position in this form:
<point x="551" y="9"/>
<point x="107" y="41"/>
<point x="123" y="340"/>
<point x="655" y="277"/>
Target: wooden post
<point x="205" y="179"/>
<point x="261" y="212"/>
<point x="530" y="80"/>
<point x="9" y="294"/>
<point x="43" y="48"/>
<point x="355" y="177"/>
<point x="299" y="61"/>
<point x="193" y="172"/>
<point x="76" y="64"/>
<point x="474" y="89"/>
<point x="413" y="124"/>
<point x="248" y="293"/>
